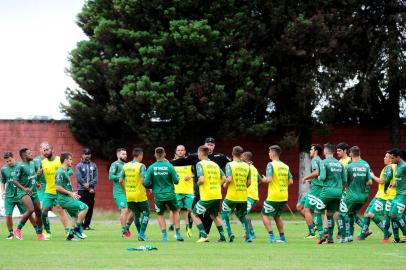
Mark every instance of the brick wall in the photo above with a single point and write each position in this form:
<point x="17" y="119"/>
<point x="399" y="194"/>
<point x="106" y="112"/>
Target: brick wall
<point x="16" y="134"/>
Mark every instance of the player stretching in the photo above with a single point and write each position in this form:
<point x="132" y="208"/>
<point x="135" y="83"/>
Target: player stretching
<point x="316" y="186"/>
<point x="278" y="178"/>
<point x="133" y="177"/>
<point x="237" y="181"/>
<point x="68" y="200"/>
<point x="25" y="179"/>
<point x="377" y="207"/>
<point x="161" y="177"/>
<point x="210" y="179"/>
<point x="332" y="176"/>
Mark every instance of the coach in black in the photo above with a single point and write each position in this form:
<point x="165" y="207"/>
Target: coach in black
<point x="86" y="176"/>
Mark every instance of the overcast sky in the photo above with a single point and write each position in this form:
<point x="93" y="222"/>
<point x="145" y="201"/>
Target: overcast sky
<point x="36" y="38"/>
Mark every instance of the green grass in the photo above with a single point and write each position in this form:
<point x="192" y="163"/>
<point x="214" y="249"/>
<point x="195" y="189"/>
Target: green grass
<point x="105" y="249"/>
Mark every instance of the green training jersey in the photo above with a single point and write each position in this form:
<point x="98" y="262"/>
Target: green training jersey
<point x="115" y="172"/>
<point x="26" y="175"/>
<point x="37" y="163"/>
<point x="401" y="178"/>
<point x="332" y="173"/>
<point x="315" y="166"/>
<point x="161" y="177"/>
<point x="62" y="179"/>
<point x="358" y="175"/>
<point x="7" y="175"/>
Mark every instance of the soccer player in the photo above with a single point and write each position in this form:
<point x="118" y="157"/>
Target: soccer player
<point x="237" y="180"/>
<point x="332" y="177"/>
<point x="161" y="177"/>
<point x="210" y="179"/>
<point x="385" y="194"/>
<point x="68" y="199"/>
<point x="115" y="173"/>
<point x="358" y="175"/>
<point x="132" y="175"/>
<point x="184" y="189"/>
<point x="49" y="166"/>
<point x="278" y="177"/>
<point x="9" y="193"/>
<point x="252" y="191"/>
<point x="315" y="190"/>
<point x="397" y="211"/>
<point x="342" y="153"/>
<point x="37" y="163"/>
<point x="24" y="179"/>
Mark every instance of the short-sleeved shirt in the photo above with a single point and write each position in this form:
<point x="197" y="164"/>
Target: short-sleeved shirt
<point x="49" y="169"/>
<point x="62" y="179"/>
<point x="401" y="178"/>
<point x="161" y="177"/>
<point x="332" y="174"/>
<point x="7" y="176"/>
<point x="115" y="172"/>
<point x="358" y="174"/>
<point x="278" y="188"/>
<point x="26" y="175"/>
<point x="239" y="171"/>
<point x="38" y="165"/>
<point x="133" y="172"/>
<point x="315" y="166"/>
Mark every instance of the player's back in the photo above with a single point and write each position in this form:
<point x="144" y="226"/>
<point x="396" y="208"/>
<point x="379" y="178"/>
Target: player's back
<point x="332" y="174"/>
<point x="358" y="174"/>
<point x="401" y="178"/>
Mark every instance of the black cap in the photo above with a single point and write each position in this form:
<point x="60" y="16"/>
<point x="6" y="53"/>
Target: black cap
<point x="210" y="140"/>
<point x="87" y="151"/>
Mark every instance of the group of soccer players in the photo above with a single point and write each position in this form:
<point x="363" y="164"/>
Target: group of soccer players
<point x="37" y="186"/>
<point x="339" y="189"/>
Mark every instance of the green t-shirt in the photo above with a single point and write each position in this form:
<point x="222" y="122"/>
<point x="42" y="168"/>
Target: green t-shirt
<point x="358" y="174"/>
<point x="26" y="175"/>
<point x="332" y="174"/>
<point x="62" y="179"/>
<point x="161" y="177"/>
<point x="401" y="178"/>
<point x="315" y="166"/>
<point x="7" y="175"/>
<point x="115" y="173"/>
<point x="38" y="164"/>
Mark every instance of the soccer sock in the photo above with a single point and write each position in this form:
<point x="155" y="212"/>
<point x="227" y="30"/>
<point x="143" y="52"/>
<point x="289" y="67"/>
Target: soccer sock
<point x="379" y="223"/>
<point x="144" y="222"/>
<point x="21" y="225"/>
<point x="319" y="222"/>
<point x="227" y="222"/>
<point x="244" y="222"/>
<point x="395" y="229"/>
<point x="79" y="227"/>
<point x="164" y="234"/>
<point x="137" y="223"/>
<point x="202" y="231"/>
<point x="11" y="231"/>
<point x="124" y="229"/>
<point x="190" y="221"/>
<point x="311" y="229"/>
<point x="386" y="221"/>
<point x="177" y="231"/>
<point x="45" y="221"/>
<point x="282" y="236"/>
<point x="271" y="236"/>
<point x="67" y="230"/>
<point x="358" y="220"/>
<point x="402" y="225"/>
<point x="331" y="222"/>
<point x="221" y="232"/>
<point x="365" y="226"/>
<point x="351" y="225"/>
<point x="38" y="229"/>
<point x="128" y="225"/>
<point x="342" y="225"/>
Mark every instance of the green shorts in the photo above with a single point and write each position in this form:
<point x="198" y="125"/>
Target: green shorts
<point x="48" y="200"/>
<point x="34" y="197"/>
<point x="160" y="206"/>
<point x="312" y="198"/>
<point x="211" y="207"/>
<point x="331" y="200"/>
<point x="72" y="206"/>
<point x="139" y="207"/>
<point x="229" y="206"/>
<point x="273" y="209"/>
<point x="354" y="203"/>
<point x="398" y="206"/>
<point x="376" y="207"/>
<point x="250" y="204"/>
<point x="185" y="201"/>
<point x="303" y="199"/>
<point x="388" y="206"/>
<point x="10" y="203"/>
<point x="121" y="201"/>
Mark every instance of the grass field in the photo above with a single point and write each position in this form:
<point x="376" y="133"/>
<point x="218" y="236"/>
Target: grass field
<point x="105" y="249"/>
